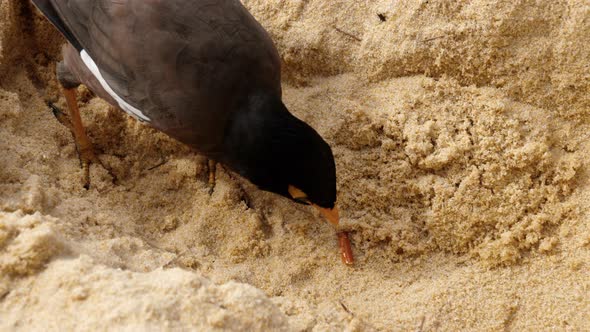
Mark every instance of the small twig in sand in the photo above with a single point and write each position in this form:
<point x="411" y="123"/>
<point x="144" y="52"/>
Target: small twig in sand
<point x="158" y="165"/>
<point x="347" y="33"/>
<point x="174" y="260"/>
<point x="421" y="326"/>
<point x="433" y="38"/>
<point x="345" y="308"/>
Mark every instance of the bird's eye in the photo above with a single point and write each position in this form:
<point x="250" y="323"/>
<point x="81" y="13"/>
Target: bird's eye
<point x="302" y="200"/>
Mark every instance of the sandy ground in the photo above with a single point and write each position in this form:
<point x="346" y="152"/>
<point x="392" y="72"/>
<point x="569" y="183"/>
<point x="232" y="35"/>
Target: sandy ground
<point x="461" y="135"/>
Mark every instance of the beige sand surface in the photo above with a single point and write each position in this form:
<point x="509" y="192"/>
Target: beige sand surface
<point x="461" y="136"/>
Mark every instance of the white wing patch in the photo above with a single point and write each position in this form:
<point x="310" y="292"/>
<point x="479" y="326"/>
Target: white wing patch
<point x="122" y="103"/>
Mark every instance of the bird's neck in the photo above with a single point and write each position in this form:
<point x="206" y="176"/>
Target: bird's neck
<point x="252" y="137"/>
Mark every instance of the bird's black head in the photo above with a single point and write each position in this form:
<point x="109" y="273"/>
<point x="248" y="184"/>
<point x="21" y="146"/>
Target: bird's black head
<point x="280" y="153"/>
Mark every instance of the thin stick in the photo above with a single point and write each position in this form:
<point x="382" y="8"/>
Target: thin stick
<point x="157" y="165"/>
<point x="347" y="33"/>
<point x="345" y="308"/>
<point x="433" y="38"/>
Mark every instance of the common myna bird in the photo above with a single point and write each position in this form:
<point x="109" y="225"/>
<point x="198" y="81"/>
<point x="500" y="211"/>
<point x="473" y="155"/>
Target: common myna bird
<point x="206" y="73"/>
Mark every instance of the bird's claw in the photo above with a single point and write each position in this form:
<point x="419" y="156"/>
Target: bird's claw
<point x="86" y="153"/>
<point x="87" y="157"/>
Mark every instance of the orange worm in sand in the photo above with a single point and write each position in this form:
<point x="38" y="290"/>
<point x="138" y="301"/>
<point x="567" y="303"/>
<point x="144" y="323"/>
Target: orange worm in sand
<point x="345" y="249"/>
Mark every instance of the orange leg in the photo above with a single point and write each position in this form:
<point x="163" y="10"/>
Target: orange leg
<point x="83" y="144"/>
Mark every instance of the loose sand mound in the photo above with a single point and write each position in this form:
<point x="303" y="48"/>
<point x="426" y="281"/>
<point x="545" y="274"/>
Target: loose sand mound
<point x="460" y="131"/>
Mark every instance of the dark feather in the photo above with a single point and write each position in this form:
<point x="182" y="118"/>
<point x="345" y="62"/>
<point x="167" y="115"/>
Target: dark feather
<point x="184" y="64"/>
<point x="48" y="11"/>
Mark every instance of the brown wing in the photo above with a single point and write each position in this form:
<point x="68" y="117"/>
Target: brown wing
<point x="185" y="64"/>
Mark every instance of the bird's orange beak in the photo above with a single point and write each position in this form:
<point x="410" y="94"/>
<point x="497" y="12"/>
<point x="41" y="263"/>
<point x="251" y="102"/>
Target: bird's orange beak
<point x="332" y="215"/>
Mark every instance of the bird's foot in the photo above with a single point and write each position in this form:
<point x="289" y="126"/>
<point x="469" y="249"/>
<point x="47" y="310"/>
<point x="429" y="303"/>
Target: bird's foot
<point x="86" y="153"/>
<point x="87" y="157"/>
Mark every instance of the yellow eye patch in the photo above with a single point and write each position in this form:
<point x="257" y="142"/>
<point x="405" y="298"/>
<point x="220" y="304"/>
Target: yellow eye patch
<point x="296" y="192"/>
<point x="298" y="195"/>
